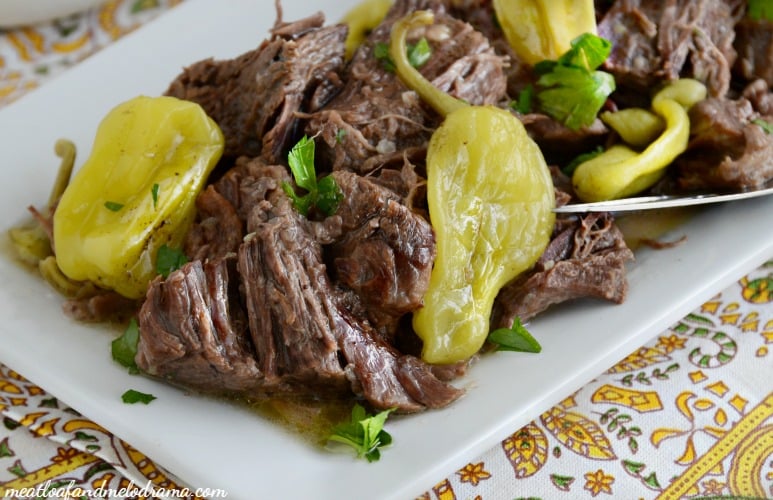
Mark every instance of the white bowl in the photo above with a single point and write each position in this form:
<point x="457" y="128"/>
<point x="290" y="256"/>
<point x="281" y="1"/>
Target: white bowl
<point x="24" y="12"/>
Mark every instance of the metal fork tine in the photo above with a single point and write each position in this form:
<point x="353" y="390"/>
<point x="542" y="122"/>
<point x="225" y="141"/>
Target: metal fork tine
<point x="652" y="202"/>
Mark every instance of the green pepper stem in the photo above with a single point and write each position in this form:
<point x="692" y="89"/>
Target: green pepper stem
<point x="440" y="101"/>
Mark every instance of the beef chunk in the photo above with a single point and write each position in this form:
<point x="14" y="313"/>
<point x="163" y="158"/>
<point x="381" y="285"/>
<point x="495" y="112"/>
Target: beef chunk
<point x="585" y="258"/>
<point x="282" y="271"/>
<point x="754" y="45"/>
<point x="192" y="330"/>
<point x="385" y="251"/>
<point x="375" y="114"/>
<point x="218" y="229"/>
<point x="255" y="97"/>
<point x="299" y="318"/>
<point x="655" y="41"/>
<point x="727" y="150"/>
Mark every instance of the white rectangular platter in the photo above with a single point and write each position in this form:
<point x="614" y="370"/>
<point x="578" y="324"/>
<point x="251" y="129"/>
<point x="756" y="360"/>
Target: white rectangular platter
<point x="211" y="444"/>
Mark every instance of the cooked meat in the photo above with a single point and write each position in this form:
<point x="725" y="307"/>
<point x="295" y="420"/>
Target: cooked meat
<point x="255" y="97"/>
<point x="754" y="45"/>
<point x="585" y="258"/>
<point x="385" y="252"/>
<point x="727" y="149"/>
<point x="192" y="330"/>
<point x="300" y="321"/>
<point x="375" y="114"/>
<point x="283" y="276"/>
<point x="655" y="41"/>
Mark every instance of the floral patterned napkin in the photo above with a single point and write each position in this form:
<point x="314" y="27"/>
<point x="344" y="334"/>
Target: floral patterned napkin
<point x="689" y="415"/>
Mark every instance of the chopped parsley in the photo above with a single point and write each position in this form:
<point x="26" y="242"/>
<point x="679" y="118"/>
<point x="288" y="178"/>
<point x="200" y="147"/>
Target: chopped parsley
<point x="418" y="54"/>
<point x="515" y="338"/>
<point x="571" y="89"/>
<point x="168" y="260"/>
<point x="365" y="433"/>
<point x="131" y="397"/>
<point x="523" y="103"/>
<point x="582" y="158"/>
<point x="124" y="348"/>
<point x="759" y="10"/>
<point x="154" y="194"/>
<point x="113" y="206"/>
<point x="766" y="126"/>
<point x="324" y="194"/>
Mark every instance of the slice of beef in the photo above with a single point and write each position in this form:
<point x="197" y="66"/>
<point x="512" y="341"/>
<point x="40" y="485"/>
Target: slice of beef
<point x="193" y="330"/>
<point x="255" y="97"/>
<point x="294" y="308"/>
<point x="656" y="41"/>
<point x="754" y="45"/>
<point x="375" y="114"/>
<point x="727" y="149"/>
<point x="218" y="229"/>
<point x="585" y="258"/>
<point x="385" y="251"/>
<point x="760" y="96"/>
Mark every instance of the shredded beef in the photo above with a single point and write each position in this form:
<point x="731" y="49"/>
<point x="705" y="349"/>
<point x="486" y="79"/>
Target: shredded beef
<point x="656" y="41"/>
<point x="727" y="149"/>
<point x="754" y="45"/>
<point x="192" y="330"/>
<point x="375" y="114"/>
<point x="255" y="98"/>
<point x="585" y="258"/>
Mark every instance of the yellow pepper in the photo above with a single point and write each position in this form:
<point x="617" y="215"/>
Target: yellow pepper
<point x="135" y="193"/>
<point x="621" y="171"/>
<point x="490" y="199"/>
<point x="540" y="30"/>
<point x="362" y="19"/>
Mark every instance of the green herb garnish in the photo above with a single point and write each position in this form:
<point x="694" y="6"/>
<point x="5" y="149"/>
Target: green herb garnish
<point x="759" y="10"/>
<point x="340" y="134"/>
<point x="523" y="103"/>
<point x="572" y="91"/>
<point x="766" y="126"/>
<point x="418" y="54"/>
<point x="168" y="260"/>
<point x="581" y="158"/>
<point x="515" y="338"/>
<point x="154" y="194"/>
<point x="325" y="194"/>
<point x="113" y="206"/>
<point x="364" y="433"/>
<point x="124" y="348"/>
<point x="131" y="396"/>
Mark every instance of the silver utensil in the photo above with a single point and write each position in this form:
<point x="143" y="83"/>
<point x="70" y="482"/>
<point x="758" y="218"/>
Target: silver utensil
<point x="652" y="202"/>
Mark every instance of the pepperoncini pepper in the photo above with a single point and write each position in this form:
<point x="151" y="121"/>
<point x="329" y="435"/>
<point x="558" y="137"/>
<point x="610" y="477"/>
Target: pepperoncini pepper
<point x="540" y="30"/>
<point x="135" y="193"/>
<point x="490" y="198"/>
<point x="621" y="171"/>
<point x="362" y="19"/>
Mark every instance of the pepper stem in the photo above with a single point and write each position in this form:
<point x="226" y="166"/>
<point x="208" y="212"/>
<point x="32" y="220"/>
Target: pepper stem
<point x="442" y="102"/>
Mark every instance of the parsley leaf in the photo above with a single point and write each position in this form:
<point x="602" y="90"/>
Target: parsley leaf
<point x="364" y="433"/>
<point x="325" y="194"/>
<point x="113" y="206"/>
<point x="581" y="158"/>
<point x="154" y="194"/>
<point x="767" y="127"/>
<point x="168" y="260"/>
<point x="759" y="10"/>
<point x="515" y="338"/>
<point x="572" y="91"/>
<point x="418" y="54"/>
<point x="523" y="104"/>
<point x="124" y="348"/>
<point x="131" y="396"/>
